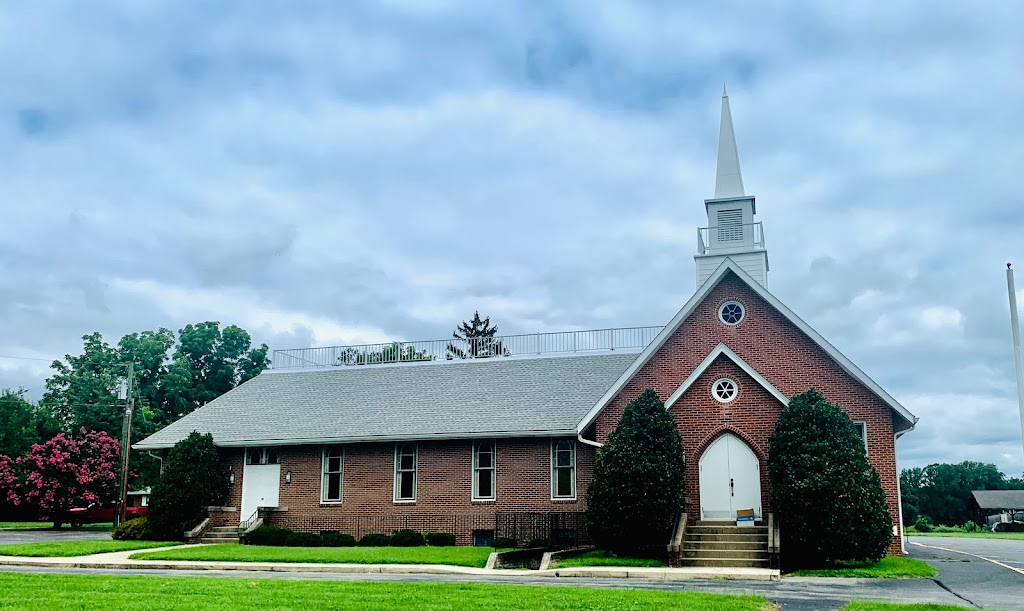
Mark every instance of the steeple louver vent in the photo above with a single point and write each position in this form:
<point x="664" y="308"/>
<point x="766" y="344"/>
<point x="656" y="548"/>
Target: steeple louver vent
<point x="730" y="225"/>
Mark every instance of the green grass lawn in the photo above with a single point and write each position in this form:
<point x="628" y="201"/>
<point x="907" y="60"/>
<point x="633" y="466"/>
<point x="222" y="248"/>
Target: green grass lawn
<point x="863" y="606"/>
<point x="42" y="525"/>
<point x="975" y="535"/>
<point x="66" y="549"/>
<point x="459" y="556"/>
<point x="890" y="567"/>
<point x="19" y="591"/>
<point x="605" y="558"/>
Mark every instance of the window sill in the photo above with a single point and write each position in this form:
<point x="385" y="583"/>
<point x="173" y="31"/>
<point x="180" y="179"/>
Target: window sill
<point x="330" y="503"/>
<point x="404" y="501"/>
<point x="563" y="499"/>
<point x="483" y="500"/>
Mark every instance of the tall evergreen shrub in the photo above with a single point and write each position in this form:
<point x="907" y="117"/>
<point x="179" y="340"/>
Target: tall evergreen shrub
<point x="193" y="479"/>
<point x="637" y="488"/>
<point x="826" y="495"/>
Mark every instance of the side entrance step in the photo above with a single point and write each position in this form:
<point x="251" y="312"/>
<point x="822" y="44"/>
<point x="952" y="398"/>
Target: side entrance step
<point x="221" y="534"/>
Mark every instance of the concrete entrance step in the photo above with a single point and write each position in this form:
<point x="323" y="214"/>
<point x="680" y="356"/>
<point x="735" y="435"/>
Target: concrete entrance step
<point x="730" y="544"/>
<point x="219" y="540"/>
<point x="728" y="530"/>
<point x="724" y="562"/>
<point x="739" y="554"/>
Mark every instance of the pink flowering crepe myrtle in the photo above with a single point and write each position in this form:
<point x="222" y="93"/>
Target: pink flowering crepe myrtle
<point x="9" y="468"/>
<point x="68" y="472"/>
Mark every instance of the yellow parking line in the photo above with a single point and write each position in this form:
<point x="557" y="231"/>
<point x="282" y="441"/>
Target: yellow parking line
<point x="956" y="551"/>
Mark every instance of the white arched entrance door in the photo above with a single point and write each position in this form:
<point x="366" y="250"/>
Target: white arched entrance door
<point x="730" y="479"/>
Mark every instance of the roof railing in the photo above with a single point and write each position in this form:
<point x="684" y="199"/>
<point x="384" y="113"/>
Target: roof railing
<point x="724" y="238"/>
<point x="455" y="349"/>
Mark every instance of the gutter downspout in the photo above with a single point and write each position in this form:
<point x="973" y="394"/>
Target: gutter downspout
<point x="588" y="442"/>
<point x="899" y="490"/>
<point x="160" y="458"/>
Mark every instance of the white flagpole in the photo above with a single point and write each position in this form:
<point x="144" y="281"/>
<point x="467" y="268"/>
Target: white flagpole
<point x="1015" y="324"/>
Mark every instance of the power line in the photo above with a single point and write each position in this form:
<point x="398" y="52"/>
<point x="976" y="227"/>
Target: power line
<point x="25" y="358"/>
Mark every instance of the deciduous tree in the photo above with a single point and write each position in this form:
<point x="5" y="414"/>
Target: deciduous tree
<point x="67" y="471"/>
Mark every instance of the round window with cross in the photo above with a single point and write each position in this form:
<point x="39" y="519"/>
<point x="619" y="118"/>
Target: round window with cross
<point x="731" y="312"/>
<point x="724" y="390"/>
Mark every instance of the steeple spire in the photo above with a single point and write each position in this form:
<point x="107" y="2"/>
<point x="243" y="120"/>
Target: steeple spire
<point x="729" y="181"/>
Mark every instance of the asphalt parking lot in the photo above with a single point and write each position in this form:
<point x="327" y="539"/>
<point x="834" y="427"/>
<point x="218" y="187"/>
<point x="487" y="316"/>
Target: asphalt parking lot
<point x="45" y="535"/>
<point x="985" y="573"/>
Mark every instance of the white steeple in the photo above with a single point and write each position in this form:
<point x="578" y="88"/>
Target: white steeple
<point x="731" y="231"/>
<point x="729" y="181"/>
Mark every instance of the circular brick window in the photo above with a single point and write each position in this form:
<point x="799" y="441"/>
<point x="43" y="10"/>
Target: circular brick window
<point x="731" y="312"/>
<point x="724" y="390"/>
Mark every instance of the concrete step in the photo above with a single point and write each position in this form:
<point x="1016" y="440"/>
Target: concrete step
<point x="233" y="535"/>
<point x="725" y="523"/>
<point x="731" y="538"/>
<point x="740" y="554"/>
<point x="723" y="562"/>
<point x="219" y="540"/>
<point x="730" y="544"/>
<point x="728" y="530"/>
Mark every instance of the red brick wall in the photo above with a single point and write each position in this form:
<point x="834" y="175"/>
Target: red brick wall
<point x="783" y="355"/>
<point x="443" y="487"/>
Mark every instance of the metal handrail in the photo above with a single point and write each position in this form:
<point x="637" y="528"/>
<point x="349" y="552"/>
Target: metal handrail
<point x="244" y="526"/>
<point x="455" y="349"/>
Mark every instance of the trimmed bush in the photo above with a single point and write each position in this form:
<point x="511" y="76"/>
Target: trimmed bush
<point x="375" y="540"/>
<point x="267" y="535"/>
<point x="337" y="540"/>
<point x="298" y="539"/>
<point x="192" y="480"/>
<point x="826" y="495"/>
<point x="440" y="539"/>
<point x="504" y="543"/>
<point x="133" y="530"/>
<point x="407" y="538"/>
<point x="637" y="488"/>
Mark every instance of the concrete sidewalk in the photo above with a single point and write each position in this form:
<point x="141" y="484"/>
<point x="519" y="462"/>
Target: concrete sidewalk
<point x="122" y="560"/>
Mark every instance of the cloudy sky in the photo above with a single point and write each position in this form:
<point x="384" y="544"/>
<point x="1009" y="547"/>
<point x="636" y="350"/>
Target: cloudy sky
<point x="342" y="172"/>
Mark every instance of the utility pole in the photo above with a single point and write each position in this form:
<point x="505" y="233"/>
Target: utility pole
<point x="126" y="443"/>
<point x="1015" y="330"/>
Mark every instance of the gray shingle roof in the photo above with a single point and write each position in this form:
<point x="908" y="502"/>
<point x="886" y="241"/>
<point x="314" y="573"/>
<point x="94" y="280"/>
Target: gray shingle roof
<point x="500" y="397"/>
<point x="999" y="499"/>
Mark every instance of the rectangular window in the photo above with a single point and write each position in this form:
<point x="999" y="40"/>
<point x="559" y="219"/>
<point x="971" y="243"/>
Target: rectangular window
<point x="405" y="472"/>
<point x="333" y="474"/>
<point x="483" y="471"/>
<point x="563" y="469"/>
<point x="862" y="430"/>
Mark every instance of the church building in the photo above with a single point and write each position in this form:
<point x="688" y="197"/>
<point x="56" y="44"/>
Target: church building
<point x="496" y="437"/>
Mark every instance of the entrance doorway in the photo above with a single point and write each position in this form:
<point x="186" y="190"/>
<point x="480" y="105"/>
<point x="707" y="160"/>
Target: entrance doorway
<point x="261" y="481"/>
<point x="730" y="479"/>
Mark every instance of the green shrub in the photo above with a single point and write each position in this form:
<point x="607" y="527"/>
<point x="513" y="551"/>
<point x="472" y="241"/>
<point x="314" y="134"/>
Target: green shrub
<point x="298" y="539"/>
<point x="407" y="538"/>
<point x="136" y="529"/>
<point x="337" y="540"/>
<point x="375" y="540"/>
<point x="193" y="478"/>
<point x="637" y="487"/>
<point x="826" y="495"/>
<point x="267" y="535"/>
<point x="971" y="527"/>
<point x="923" y="524"/>
<point x="440" y="539"/>
<point x="504" y="543"/>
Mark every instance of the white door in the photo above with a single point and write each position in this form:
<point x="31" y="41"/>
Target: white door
<point x="730" y="479"/>
<point x="260" y="487"/>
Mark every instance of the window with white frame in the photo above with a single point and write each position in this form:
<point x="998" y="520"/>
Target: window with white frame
<point x="262" y="456"/>
<point x="333" y="474"/>
<point x="405" y="472"/>
<point x="563" y="469"/>
<point x="483" y="471"/>
<point x="862" y="430"/>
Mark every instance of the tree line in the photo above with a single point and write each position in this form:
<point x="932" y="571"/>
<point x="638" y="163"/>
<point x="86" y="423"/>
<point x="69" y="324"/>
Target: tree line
<point x="941" y="493"/>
